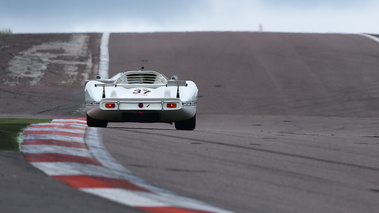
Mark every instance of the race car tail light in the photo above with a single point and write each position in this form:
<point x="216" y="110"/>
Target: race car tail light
<point x="140" y="105"/>
<point x="110" y="105"/>
<point x="171" y="105"/>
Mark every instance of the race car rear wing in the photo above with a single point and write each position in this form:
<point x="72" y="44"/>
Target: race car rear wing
<point x="169" y="84"/>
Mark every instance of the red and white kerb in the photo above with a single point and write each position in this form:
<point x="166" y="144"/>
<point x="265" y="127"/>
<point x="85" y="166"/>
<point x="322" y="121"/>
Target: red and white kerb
<point x="69" y="151"/>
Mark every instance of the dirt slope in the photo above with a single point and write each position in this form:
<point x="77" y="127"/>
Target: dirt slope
<point x="42" y="75"/>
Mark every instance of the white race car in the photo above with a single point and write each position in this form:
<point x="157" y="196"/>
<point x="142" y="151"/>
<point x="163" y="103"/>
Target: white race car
<point x="141" y="96"/>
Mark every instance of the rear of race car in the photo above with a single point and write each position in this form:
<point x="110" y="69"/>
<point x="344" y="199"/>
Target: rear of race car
<point x="173" y="102"/>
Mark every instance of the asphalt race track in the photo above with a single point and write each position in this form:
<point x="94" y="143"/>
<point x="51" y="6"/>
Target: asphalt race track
<point x="286" y="123"/>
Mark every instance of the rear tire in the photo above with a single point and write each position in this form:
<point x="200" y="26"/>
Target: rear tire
<point x="189" y="124"/>
<point x="96" y="123"/>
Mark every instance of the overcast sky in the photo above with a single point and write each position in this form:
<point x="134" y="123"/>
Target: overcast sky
<point x="47" y="16"/>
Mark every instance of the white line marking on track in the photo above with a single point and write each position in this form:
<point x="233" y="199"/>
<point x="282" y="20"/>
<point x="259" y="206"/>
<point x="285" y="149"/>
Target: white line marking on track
<point x="96" y="147"/>
<point x="370" y="37"/>
<point x="93" y="138"/>
<point x="104" y="56"/>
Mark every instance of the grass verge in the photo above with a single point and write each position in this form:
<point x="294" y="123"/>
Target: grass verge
<point x="11" y="129"/>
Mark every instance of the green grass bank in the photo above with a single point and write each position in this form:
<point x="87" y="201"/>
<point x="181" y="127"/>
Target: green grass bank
<point x="11" y="130"/>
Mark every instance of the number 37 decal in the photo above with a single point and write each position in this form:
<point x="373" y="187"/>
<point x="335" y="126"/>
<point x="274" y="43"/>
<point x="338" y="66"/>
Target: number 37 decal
<point x="140" y="91"/>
